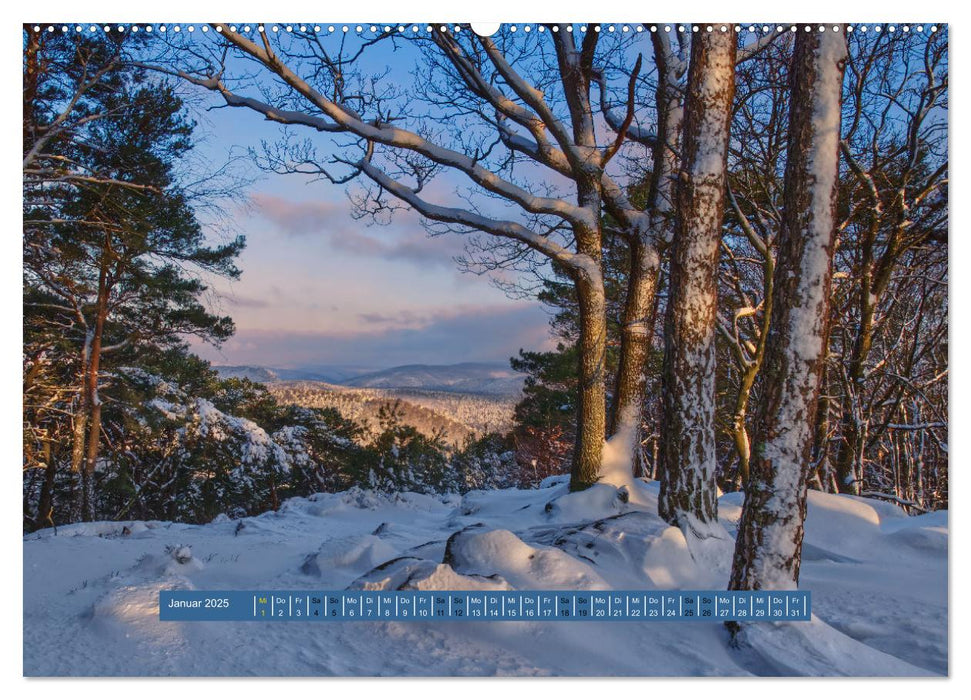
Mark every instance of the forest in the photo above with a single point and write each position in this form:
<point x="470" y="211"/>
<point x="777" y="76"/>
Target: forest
<point x="740" y="233"/>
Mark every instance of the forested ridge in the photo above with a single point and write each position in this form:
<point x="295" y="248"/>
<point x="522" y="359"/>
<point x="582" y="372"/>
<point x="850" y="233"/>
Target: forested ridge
<point x="741" y="238"/>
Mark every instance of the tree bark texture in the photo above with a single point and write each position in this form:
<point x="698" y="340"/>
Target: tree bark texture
<point x="688" y="490"/>
<point x="769" y="542"/>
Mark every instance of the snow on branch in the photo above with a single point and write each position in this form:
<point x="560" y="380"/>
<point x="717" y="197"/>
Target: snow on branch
<point x="344" y="119"/>
<point x="534" y="98"/>
<point x="463" y="217"/>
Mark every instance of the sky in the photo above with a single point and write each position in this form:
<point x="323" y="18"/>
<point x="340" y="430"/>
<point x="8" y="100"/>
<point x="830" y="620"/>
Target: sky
<point x="322" y="289"/>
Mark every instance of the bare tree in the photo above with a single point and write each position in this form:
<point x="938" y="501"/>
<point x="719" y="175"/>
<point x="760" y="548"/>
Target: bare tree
<point x="756" y="162"/>
<point x="769" y="542"/>
<point x="895" y="147"/>
<point x="648" y="240"/>
<point x="648" y="237"/>
<point x="883" y="274"/>
<point x="551" y="123"/>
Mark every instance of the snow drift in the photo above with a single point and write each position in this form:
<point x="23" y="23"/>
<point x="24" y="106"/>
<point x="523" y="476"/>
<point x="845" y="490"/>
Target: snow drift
<point x="878" y="579"/>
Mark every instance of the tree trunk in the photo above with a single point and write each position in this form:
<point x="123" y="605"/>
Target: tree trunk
<point x="849" y="456"/>
<point x="591" y="409"/>
<point x="79" y="434"/>
<point x="31" y="76"/>
<point x="850" y="447"/>
<point x="688" y="489"/>
<point x="665" y="154"/>
<point x="739" y="427"/>
<point x="820" y="452"/>
<point x="91" y="390"/>
<point x="576" y="72"/>
<point x="769" y="543"/>
<point x="627" y="414"/>
<point x="635" y="346"/>
<point x="750" y="369"/>
<point x="45" y="503"/>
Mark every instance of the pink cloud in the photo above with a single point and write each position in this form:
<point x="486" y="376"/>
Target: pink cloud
<point x="403" y="239"/>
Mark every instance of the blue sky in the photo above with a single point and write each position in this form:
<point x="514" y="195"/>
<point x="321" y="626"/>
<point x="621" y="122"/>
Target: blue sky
<point x="319" y="288"/>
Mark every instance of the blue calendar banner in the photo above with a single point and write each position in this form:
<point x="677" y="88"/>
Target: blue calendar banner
<point x="484" y="606"/>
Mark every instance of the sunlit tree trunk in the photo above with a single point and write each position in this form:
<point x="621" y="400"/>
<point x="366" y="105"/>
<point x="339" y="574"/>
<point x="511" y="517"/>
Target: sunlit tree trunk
<point x="45" y="503"/>
<point x="591" y="411"/>
<point x="640" y="305"/>
<point x="592" y="395"/>
<point x="91" y="389"/>
<point x="635" y="346"/>
<point x="79" y="432"/>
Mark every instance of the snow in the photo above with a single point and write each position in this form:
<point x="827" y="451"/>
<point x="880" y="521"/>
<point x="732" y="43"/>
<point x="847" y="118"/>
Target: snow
<point x="804" y="338"/>
<point x="257" y="447"/>
<point x="715" y="86"/>
<point x="499" y="554"/>
<point x="878" y="580"/>
<point x="352" y="552"/>
<point x="618" y="453"/>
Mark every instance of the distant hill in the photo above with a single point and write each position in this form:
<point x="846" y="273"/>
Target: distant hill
<point x="267" y="375"/>
<point x="465" y="378"/>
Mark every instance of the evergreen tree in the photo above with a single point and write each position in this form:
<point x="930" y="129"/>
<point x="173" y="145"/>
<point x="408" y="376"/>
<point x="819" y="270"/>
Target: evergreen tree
<point x="113" y="253"/>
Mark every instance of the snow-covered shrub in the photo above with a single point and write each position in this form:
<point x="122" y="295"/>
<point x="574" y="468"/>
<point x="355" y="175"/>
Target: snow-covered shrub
<point x="189" y="453"/>
<point x="486" y="463"/>
<point x="322" y="449"/>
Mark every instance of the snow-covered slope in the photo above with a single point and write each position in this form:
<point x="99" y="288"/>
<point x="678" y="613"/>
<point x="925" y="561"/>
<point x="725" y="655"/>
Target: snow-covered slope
<point x="878" y="579"/>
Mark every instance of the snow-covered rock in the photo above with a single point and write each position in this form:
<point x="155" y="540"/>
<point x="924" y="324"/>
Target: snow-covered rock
<point x="501" y="553"/>
<point x="878" y="581"/>
<point x="353" y="551"/>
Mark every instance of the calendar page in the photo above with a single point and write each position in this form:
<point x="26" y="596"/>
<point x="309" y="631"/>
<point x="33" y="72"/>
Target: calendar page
<point x="516" y="349"/>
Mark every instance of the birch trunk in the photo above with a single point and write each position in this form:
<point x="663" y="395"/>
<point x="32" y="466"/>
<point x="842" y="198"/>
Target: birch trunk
<point x="769" y="543"/>
<point x="688" y="490"/>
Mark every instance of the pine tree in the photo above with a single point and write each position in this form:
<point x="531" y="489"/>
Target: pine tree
<point x="112" y="249"/>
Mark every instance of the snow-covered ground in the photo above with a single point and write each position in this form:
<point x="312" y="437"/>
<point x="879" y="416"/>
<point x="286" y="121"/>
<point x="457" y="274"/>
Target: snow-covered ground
<point x="878" y="580"/>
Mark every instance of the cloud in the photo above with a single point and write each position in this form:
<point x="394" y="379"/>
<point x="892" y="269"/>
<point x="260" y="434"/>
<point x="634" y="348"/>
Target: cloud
<point x="241" y="301"/>
<point x="403" y="239"/>
<point x="297" y="218"/>
<point x="405" y="318"/>
<point x="418" y="319"/>
<point x="468" y="334"/>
